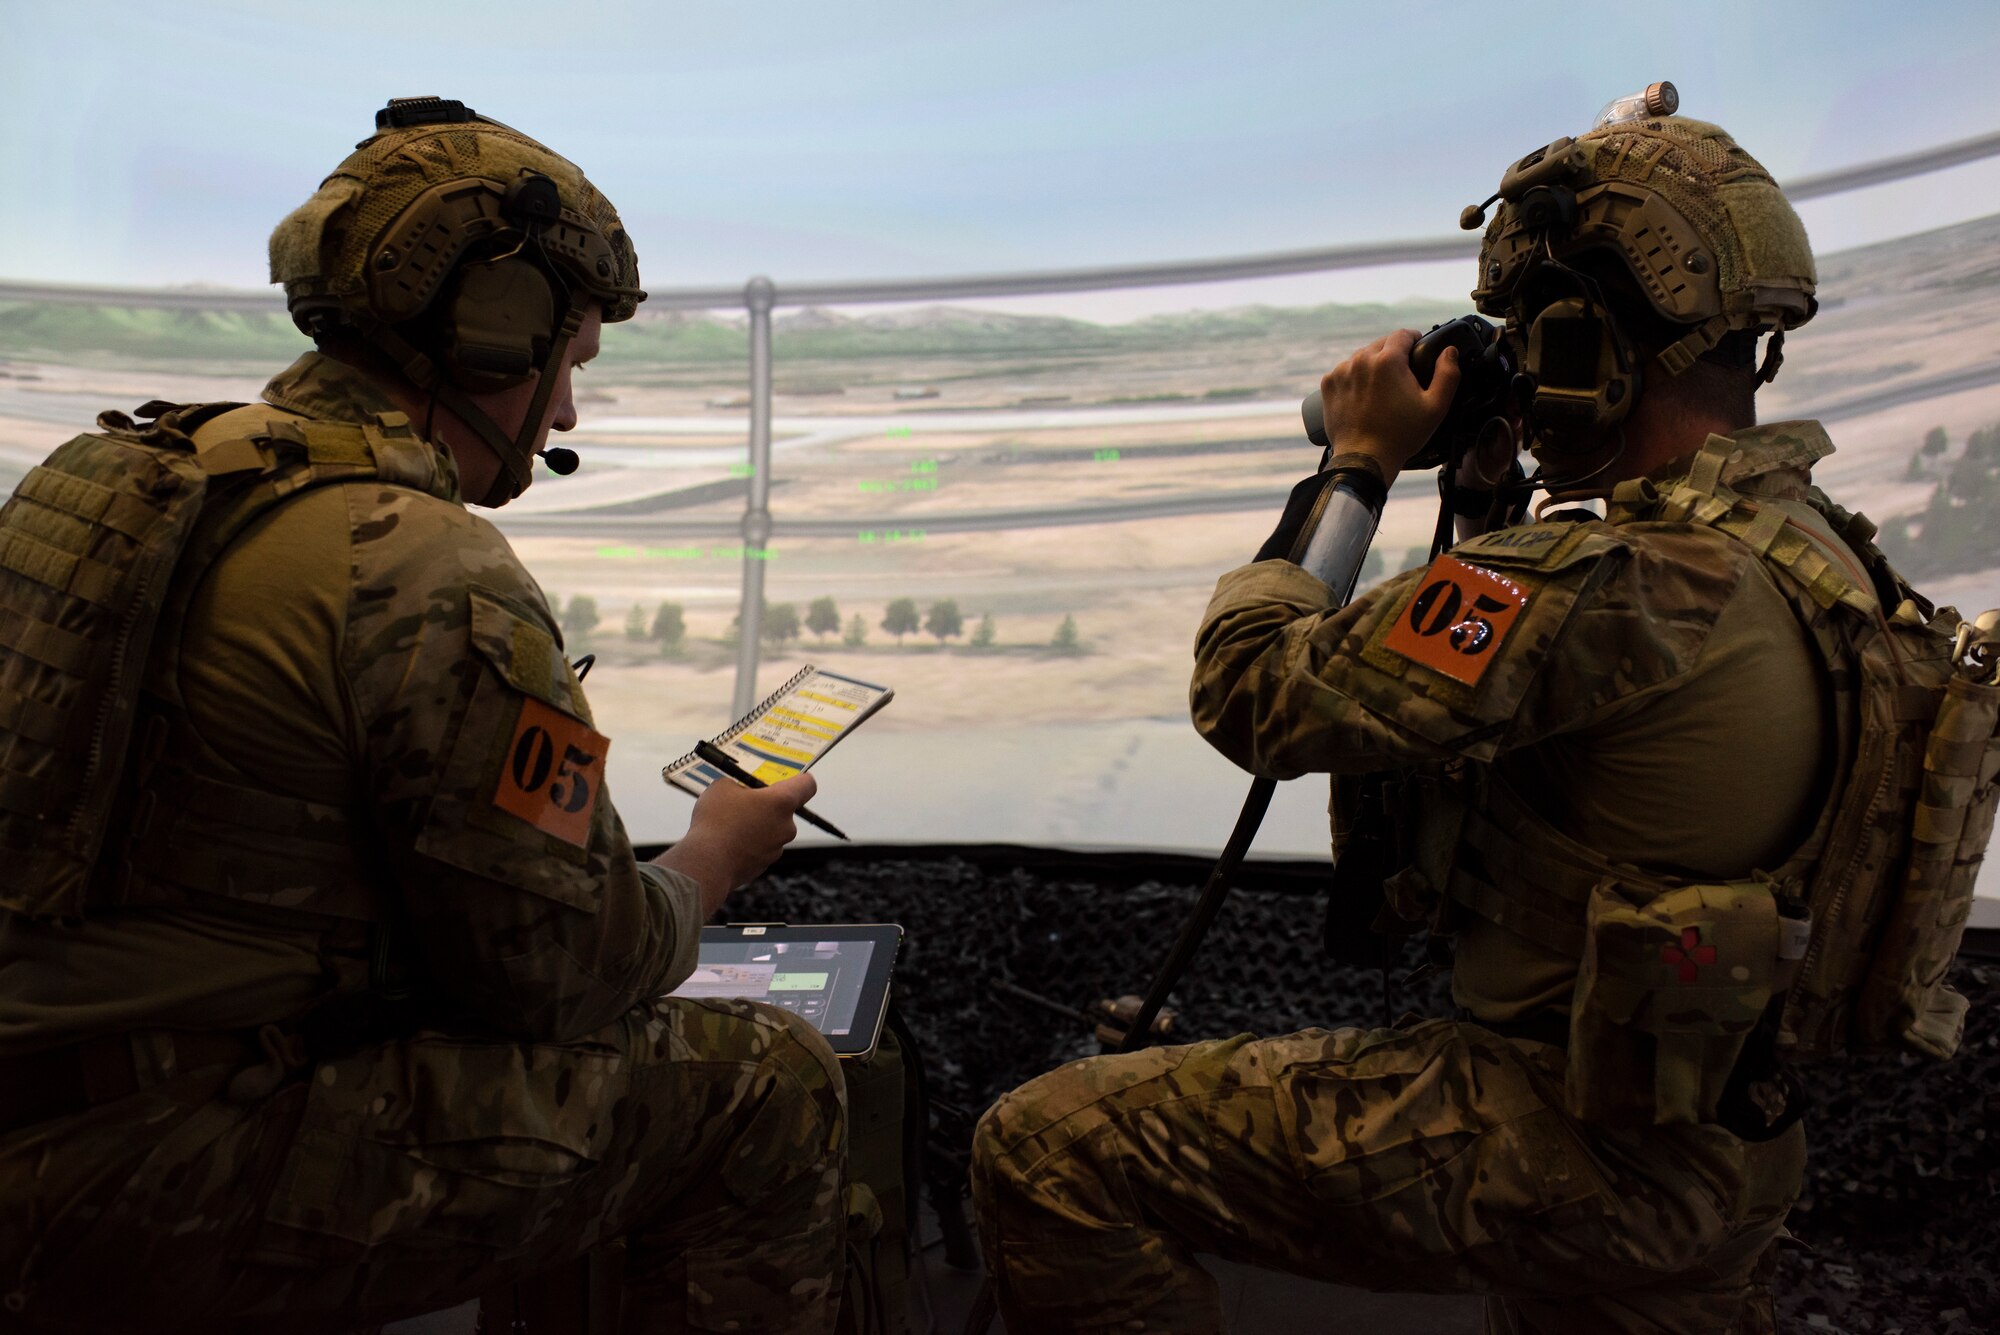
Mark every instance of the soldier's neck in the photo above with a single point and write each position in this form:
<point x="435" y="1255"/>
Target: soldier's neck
<point x="1648" y="441"/>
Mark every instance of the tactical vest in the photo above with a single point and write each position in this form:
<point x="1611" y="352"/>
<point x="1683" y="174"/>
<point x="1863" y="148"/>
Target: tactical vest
<point x="1844" y="948"/>
<point x="102" y="547"/>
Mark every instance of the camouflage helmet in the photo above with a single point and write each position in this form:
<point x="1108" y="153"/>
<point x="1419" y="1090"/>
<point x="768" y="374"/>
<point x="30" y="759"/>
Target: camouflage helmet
<point x="465" y="253"/>
<point x="1702" y="228"/>
<point x="434" y="186"/>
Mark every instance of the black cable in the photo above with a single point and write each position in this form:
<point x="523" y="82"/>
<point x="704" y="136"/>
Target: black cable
<point x="1212" y="894"/>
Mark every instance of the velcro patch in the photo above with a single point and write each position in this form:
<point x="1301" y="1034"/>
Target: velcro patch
<point x="553" y="772"/>
<point x="1458" y="619"/>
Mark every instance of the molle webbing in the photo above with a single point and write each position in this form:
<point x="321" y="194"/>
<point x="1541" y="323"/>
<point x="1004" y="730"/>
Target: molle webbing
<point x="209" y="835"/>
<point x="1905" y="1000"/>
<point x="1786" y="534"/>
<point x="1517" y="871"/>
<point x="100" y="549"/>
<point x="1887" y="875"/>
<point x="88" y="543"/>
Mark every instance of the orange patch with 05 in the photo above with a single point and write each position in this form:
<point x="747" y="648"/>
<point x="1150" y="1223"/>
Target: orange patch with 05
<point x="1458" y="619"/>
<point x="553" y="772"/>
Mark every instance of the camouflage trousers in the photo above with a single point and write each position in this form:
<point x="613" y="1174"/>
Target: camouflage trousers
<point x="409" y="1176"/>
<point x="1430" y="1159"/>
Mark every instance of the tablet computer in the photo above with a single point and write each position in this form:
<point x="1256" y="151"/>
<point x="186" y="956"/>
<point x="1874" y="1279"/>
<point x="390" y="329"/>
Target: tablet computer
<point x="836" y="976"/>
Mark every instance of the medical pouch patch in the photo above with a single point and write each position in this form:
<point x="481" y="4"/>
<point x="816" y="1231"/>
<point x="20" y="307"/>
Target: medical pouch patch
<point x="1669" y="988"/>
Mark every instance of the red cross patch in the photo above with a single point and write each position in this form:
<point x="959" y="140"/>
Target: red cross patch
<point x="1690" y="954"/>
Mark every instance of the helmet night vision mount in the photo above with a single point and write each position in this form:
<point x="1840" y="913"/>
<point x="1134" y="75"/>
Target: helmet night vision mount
<point x="468" y="255"/>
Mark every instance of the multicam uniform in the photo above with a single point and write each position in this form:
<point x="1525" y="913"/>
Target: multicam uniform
<point x="373" y="772"/>
<point x="1639" y="693"/>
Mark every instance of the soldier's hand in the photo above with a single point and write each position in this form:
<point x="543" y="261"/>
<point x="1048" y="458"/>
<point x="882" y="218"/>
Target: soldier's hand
<point x="735" y="833"/>
<point x="1374" y="405"/>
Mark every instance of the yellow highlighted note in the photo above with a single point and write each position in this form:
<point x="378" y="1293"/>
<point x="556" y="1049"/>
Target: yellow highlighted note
<point x="800" y="722"/>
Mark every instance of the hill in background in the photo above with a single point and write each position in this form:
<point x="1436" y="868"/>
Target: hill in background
<point x="146" y="336"/>
<point x="1959" y="257"/>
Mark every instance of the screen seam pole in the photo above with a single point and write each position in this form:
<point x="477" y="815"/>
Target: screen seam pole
<point x="759" y="295"/>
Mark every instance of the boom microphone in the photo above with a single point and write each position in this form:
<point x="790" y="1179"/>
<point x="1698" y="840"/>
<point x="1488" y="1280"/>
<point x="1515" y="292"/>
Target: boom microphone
<point x="560" y="460"/>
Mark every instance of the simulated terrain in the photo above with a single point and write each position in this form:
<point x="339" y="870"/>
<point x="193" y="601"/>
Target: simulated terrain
<point x="1016" y="521"/>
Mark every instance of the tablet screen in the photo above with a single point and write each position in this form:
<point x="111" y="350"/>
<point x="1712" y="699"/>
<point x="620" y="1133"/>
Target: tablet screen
<point x="836" y="978"/>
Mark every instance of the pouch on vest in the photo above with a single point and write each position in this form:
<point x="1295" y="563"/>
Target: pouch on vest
<point x="1670" y="986"/>
<point x="1905" y="998"/>
<point x="1885" y="878"/>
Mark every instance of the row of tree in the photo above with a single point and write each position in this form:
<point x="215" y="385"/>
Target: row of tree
<point x="781" y="624"/>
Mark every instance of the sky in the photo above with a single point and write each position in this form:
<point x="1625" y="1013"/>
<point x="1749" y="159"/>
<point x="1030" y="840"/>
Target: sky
<point x="157" y="143"/>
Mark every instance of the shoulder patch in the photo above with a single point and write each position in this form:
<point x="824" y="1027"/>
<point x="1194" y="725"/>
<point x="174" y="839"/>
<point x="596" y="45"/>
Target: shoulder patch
<point x="1452" y="655"/>
<point x="553" y="772"/>
<point x="1457" y="621"/>
<point x="525" y="653"/>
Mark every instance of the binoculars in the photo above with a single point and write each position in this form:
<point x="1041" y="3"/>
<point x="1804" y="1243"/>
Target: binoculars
<point x="1487" y="364"/>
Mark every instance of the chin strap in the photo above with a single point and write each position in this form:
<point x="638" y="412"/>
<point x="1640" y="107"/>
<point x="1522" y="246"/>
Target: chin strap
<point x="516" y="454"/>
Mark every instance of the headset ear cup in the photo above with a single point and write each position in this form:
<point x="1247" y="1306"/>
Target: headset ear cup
<point x="1586" y="372"/>
<point x="496" y="325"/>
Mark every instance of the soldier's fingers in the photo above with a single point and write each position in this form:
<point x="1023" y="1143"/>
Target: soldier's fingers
<point x="1371" y="355"/>
<point x="1444" y="383"/>
<point x="797" y="790"/>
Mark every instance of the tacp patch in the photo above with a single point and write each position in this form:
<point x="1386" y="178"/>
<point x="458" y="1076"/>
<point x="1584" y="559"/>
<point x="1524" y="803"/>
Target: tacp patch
<point x="553" y="772"/>
<point x="1457" y="620"/>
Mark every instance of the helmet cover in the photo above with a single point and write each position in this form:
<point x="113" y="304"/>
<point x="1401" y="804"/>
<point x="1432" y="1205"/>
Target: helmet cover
<point x="413" y="203"/>
<point x="1703" y="230"/>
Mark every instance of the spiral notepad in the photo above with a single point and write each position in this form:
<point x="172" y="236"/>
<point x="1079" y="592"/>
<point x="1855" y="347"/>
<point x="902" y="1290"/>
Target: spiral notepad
<point x="789" y="730"/>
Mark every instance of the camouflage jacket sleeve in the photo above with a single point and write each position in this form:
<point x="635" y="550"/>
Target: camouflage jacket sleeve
<point x="484" y="777"/>
<point x="1511" y="637"/>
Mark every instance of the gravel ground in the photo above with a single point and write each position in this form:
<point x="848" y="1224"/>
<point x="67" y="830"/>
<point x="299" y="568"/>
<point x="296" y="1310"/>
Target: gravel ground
<point x="1897" y="1226"/>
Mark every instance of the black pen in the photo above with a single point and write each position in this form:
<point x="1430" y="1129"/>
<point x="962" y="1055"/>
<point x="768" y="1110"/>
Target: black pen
<point x="719" y="758"/>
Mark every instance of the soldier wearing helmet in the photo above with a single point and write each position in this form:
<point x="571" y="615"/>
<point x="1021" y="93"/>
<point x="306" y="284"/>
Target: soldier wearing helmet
<point x="333" y="987"/>
<point x="1583" y="728"/>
